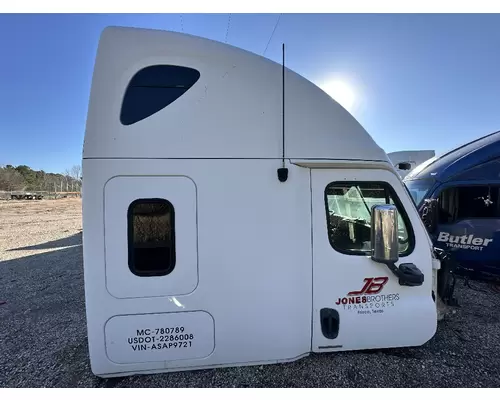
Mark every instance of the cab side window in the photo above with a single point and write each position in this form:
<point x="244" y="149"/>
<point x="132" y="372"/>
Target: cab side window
<point x="153" y="88"/>
<point x="151" y="237"/>
<point x="469" y="202"/>
<point x="348" y="208"/>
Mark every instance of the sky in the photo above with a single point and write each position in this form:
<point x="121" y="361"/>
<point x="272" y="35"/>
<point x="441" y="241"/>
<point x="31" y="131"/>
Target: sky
<point x="414" y="81"/>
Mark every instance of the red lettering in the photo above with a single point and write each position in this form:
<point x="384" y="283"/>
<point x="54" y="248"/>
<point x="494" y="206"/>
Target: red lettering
<point x="371" y="286"/>
<point x="377" y="285"/>
<point x="367" y="281"/>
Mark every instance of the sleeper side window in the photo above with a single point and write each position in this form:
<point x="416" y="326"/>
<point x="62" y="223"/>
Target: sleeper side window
<point x="151" y="237"/>
<point x="153" y="88"/>
<point x="348" y="207"/>
<point x="469" y="202"/>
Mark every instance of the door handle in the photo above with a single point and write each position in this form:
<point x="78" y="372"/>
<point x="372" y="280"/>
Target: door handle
<point x="330" y="322"/>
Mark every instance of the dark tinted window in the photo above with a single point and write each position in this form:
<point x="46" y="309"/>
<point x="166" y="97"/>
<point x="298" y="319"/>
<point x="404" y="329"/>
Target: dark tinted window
<point x="151" y="237"/>
<point x="153" y="88"/>
<point x="467" y="202"/>
<point x="348" y="206"/>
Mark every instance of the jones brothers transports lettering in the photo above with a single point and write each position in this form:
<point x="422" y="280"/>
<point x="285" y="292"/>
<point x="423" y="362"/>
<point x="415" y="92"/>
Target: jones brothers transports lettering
<point x="466" y="242"/>
<point x="368" y="298"/>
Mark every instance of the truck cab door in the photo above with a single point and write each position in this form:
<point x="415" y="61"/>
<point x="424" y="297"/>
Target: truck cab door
<point x="359" y="303"/>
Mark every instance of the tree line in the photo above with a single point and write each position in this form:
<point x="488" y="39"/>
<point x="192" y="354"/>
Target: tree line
<point x="23" y="178"/>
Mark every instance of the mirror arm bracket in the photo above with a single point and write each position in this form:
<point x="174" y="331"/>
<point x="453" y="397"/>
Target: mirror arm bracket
<point x="408" y="274"/>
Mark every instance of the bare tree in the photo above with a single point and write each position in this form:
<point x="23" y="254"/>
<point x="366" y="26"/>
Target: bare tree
<point x="67" y="178"/>
<point x="76" y="172"/>
<point x="45" y="182"/>
<point x="72" y="177"/>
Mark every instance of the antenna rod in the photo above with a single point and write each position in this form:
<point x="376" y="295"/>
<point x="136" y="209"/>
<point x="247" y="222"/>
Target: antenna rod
<point x="283" y="171"/>
<point x="283" y="105"/>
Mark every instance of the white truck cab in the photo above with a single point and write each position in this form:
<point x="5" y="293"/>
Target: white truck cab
<point x="218" y="231"/>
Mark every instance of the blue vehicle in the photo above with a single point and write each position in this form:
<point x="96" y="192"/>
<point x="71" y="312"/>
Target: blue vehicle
<point x="458" y="197"/>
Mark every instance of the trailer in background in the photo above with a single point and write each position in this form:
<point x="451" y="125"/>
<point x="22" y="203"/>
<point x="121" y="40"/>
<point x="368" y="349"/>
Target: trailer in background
<point x="26" y="196"/>
<point x="37" y="195"/>
<point x="406" y="161"/>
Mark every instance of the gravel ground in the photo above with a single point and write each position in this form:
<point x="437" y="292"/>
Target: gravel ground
<point x="43" y="328"/>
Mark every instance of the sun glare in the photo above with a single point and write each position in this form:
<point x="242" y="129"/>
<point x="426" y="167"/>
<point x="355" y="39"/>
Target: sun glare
<point x="341" y="92"/>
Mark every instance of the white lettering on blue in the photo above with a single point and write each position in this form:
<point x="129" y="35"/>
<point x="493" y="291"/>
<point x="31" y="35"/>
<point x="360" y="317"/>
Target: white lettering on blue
<point x="466" y="242"/>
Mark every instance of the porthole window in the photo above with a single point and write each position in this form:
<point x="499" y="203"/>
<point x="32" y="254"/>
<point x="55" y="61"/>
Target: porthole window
<point x="153" y="88"/>
<point x="151" y="237"/>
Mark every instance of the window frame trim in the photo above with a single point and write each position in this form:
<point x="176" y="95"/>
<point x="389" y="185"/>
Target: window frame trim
<point x="130" y="233"/>
<point x="397" y="203"/>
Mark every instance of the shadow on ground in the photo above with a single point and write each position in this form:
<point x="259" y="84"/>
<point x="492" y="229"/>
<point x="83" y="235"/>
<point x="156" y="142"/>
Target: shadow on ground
<point x="43" y="339"/>
<point x="73" y="240"/>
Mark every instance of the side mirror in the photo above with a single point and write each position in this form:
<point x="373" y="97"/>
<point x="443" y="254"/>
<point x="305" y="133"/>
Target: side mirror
<point x="384" y="234"/>
<point x="404" y="166"/>
<point x="385" y="245"/>
<point x="429" y="213"/>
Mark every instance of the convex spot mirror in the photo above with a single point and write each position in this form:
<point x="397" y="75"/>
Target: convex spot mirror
<point x="384" y="234"/>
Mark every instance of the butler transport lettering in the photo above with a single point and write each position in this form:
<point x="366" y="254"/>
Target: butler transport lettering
<point x="466" y="242"/>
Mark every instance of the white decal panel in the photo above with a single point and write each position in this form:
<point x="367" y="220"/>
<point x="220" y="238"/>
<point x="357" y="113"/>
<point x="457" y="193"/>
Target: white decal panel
<point x="159" y="337"/>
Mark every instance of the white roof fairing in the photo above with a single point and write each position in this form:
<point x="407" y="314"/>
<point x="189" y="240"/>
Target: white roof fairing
<point x="234" y="110"/>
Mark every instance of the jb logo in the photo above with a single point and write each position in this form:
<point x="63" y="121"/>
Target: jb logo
<point x="368" y="298"/>
<point x="372" y="286"/>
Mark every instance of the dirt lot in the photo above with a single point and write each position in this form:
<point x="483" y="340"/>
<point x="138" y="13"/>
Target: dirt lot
<point x="43" y="328"/>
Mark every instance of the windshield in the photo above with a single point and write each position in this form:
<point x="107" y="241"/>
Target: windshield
<point x="419" y="188"/>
